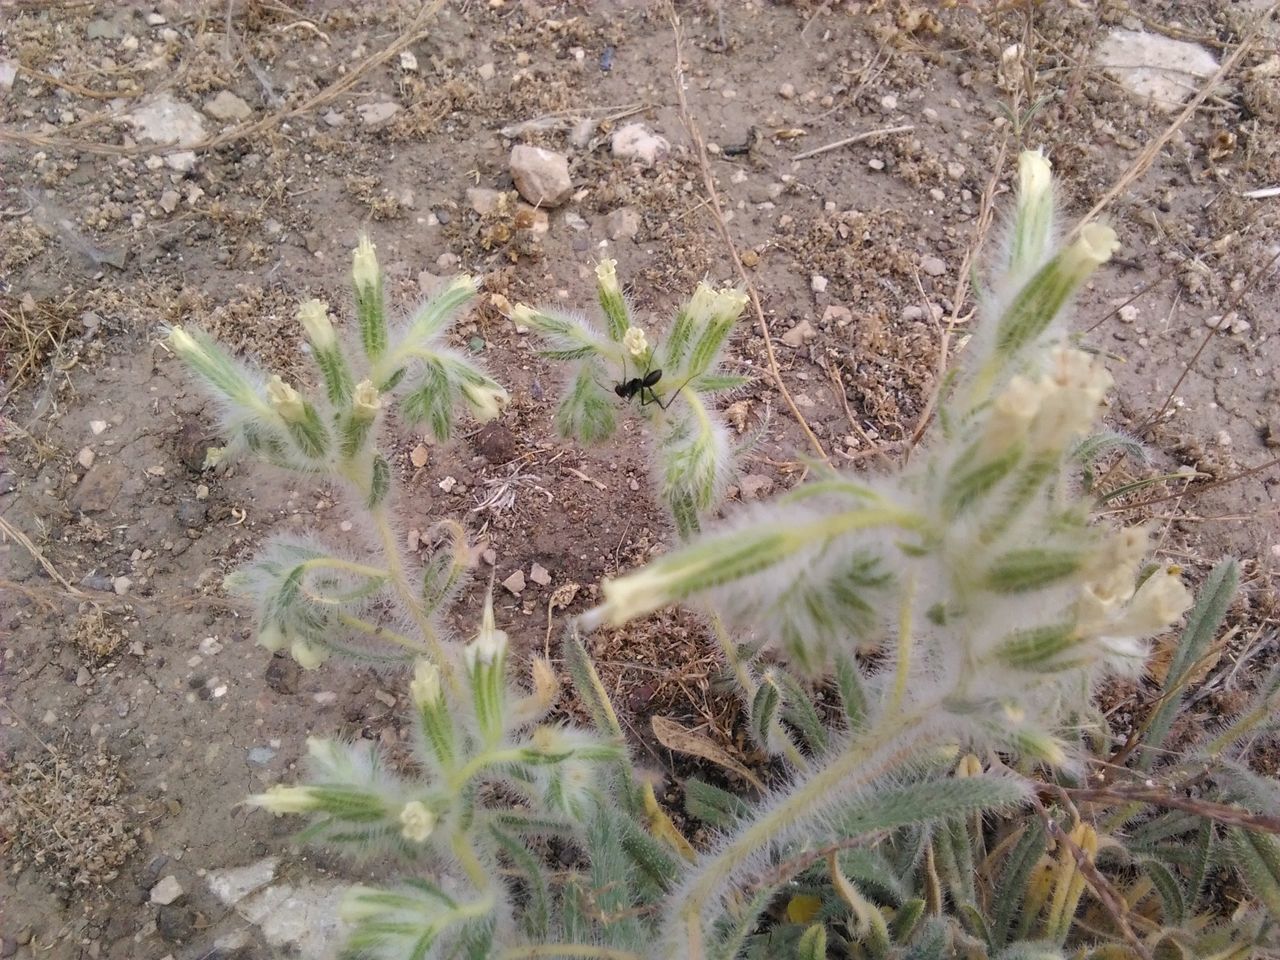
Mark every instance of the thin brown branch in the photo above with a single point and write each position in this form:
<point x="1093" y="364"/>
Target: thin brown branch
<point x="1223" y="813"/>
<point x="717" y="211"/>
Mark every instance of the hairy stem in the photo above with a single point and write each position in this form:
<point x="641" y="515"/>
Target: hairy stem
<point x="381" y="633"/>
<point x="587" y="950"/>
<point x="870" y="757"/>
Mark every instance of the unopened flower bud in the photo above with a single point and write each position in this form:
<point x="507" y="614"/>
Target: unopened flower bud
<point x="285" y="400"/>
<point x="490" y="643"/>
<point x="416" y="821"/>
<point x="607" y="276"/>
<point x="314" y="317"/>
<point x="364" y="264"/>
<point x="308" y="655"/>
<point x="424" y="688"/>
<point x="1160" y="601"/>
<point x="272" y="637"/>
<point x="282" y="799"/>
<point x="183" y="345"/>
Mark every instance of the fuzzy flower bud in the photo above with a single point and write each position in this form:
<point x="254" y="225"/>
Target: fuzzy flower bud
<point x="545" y="685"/>
<point x="416" y="821"/>
<point x="183" y="345"/>
<point x="314" y="317"/>
<point x="286" y="401"/>
<point x="308" y="655"/>
<point x="1069" y="398"/>
<point x="1160" y="601"/>
<point x="635" y="342"/>
<point x="366" y="401"/>
<point x="490" y="644"/>
<point x="364" y="264"/>
<point x="1033" y="224"/>
<point x="272" y="637"/>
<point x="486" y="401"/>
<point x="522" y="314"/>
<point x="424" y="688"/>
<point x="282" y="799"/>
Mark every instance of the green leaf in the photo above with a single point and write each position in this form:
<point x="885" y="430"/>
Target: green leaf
<point x="764" y="711"/>
<point x="927" y="801"/>
<point x="718" y="382"/>
<point x="1012" y="880"/>
<point x="337" y="375"/>
<point x="713" y="806"/>
<point x="586" y="413"/>
<point x="1257" y="857"/>
<point x="971" y="478"/>
<point x="906" y="919"/>
<point x="1202" y="625"/>
<point x="371" y="314"/>
<point x="799" y="711"/>
<point x="1017" y="571"/>
<point x="535" y="915"/>
<point x="431" y="401"/>
<point x="813" y="944"/>
<point x="1171" y="894"/>
<point x="852" y="696"/>
<point x="379" y="482"/>
<point x="436" y="314"/>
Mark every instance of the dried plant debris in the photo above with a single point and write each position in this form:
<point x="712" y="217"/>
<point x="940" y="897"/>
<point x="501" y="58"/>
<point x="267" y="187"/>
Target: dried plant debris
<point x="65" y="815"/>
<point x="96" y="638"/>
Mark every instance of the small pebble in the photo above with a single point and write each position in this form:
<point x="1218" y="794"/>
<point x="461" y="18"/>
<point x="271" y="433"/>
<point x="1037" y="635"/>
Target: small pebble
<point x="539" y="575"/>
<point x="818" y="283"/>
<point x="787" y="91"/>
<point x="419" y="456"/>
<point x="933" y="266"/>
<point x="515" y="584"/>
<point x="86" y="457"/>
<point x="166" y="891"/>
<point x="121" y="585"/>
<point x="97" y="426"/>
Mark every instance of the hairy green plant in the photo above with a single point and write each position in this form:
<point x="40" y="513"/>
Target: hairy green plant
<point x="672" y="384"/>
<point x="919" y="651"/>
<point x="311" y="598"/>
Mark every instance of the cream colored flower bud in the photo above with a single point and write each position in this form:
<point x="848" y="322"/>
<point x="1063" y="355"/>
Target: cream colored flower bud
<point x="1035" y="176"/>
<point x="545" y="685"/>
<point x="282" y="799"/>
<point x="969" y="766"/>
<point x="730" y="302"/>
<point x="416" y="821"/>
<point x="1160" y="601"/>
<point x="485" y="402"/>
<point x="424" y="688"/>
<point x="314" y="317"/>
<point x="308" y="655"/>
<point x="366" y="401"/>
<point x="522" y="314"/>
<point x="1096" y="244"/>
<point x="635" y="342"/>
<point x="490" y="643"/>
<point x="285" y="400"/>
<point x="364" y="264"/>
<point x="701" y="306"/>
<point x="607" y="276"/>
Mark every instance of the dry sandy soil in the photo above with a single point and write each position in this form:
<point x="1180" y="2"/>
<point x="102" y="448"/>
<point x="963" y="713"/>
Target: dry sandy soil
<point x="136" y="711"/>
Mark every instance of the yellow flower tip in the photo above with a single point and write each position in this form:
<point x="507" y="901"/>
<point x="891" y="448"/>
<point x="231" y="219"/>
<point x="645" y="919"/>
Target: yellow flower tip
<point x="365" y="400"/>
<point x="364" y="264"/>
<point x="635" y="342"/>
<point x="1160" y="601"/>
<point x="702" y="304"/>
<point x="308" y="655"/>
<point x="486" y="402"/>
<point x="731" y="302"/>
<point x="464" y="281"/>
<point x="1035" y="175"/>
<point x="969" y="766"/>
<point x="182" y="343"/>
<point x="285" y="400"/>
<point x="314" y="317"/>
<point x="272" y="637"/>
<point x="1097" y="243"/>
<point x="282" y="799"/>
<point x="545" y="685"/>
<point x="490" y="643"/>
<point x="522" y="313"/>
<point x="416" y="821"/>
<point x="424" y="688"/>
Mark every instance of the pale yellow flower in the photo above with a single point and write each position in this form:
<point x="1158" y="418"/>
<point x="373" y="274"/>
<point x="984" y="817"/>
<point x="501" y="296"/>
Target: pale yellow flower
<point x="635" y="342"/>
<point x="364" y="264"/>
<point x="416" y="821"/>
<point x="314" y="317"/>
<point x="282" y="799"/>
<point x="424" y="688"/>
<point x="285" y="400"/>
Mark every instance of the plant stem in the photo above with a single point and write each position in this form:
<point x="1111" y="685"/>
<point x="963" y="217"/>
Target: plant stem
<point x="872" y="756"/>
<point x="466" y="854"/>
<point x="382" y="633"/>
<point x="337" y="563"/>
<point x="400" y="581"/>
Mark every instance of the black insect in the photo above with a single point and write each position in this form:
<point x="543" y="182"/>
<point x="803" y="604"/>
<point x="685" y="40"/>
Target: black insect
<point x="643" y="387"/>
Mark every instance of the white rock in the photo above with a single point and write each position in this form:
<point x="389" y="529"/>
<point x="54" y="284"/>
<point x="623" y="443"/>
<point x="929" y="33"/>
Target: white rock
<point x="97" y="426"/>
<point x="540" y="575"/>
<point x="487" y="71"/>
<point x="156" y="19"/>
<point x="515" y="583"/>
<point x="1154" y="67"/>
<point x="1128" y="313"/>
<point x="121" y="585"/>
<point x="235" y="883"/>
<point x="301" y="920"/>
<point x="8" y="73"/>
<point x="787" y="91"/>
<point x="376" y="114"/>
<point x="756" y="485"/>
<point x="408" y="61"/>
<point x="636" y="142"/>
<point x="888" y="102"/>
<point x="169" y="200"/>
<point x="226" y="106"/>
<point x="818" y="283"/>
<point x="541" y="176"/>
<point x="202" y="492"/>
<point x="800" y="334"/>
<point x="166" y="891"/>
<point x="333" y="118"/>
<point x="86" y="457"/>
<point x="164" y="119"/>
<point x="181" y="160"/>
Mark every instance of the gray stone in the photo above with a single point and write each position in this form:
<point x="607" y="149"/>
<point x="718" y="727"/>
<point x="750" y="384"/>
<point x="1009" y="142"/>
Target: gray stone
<point x="483" y="200"/>
<point x="541" y="176"/>
<point x="623" y="223"/>
<point x="167" y="891"/>
<point x="933" y="266"/>
<point x="233" y="884"/>
<point x="637" y="142"/>
<point x="100" y="487"/>
<point x="226" y="106"/>
<point x="515" y="583"/>
<point x="164" y="119"/>
<point x="1154" y="67"/>
<point x="302" y="921"/>
<point x="376" y="114"/>
<point x="175" y="923"/>
<point x="261" y="756"/>
<point x="755" y="485"/>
